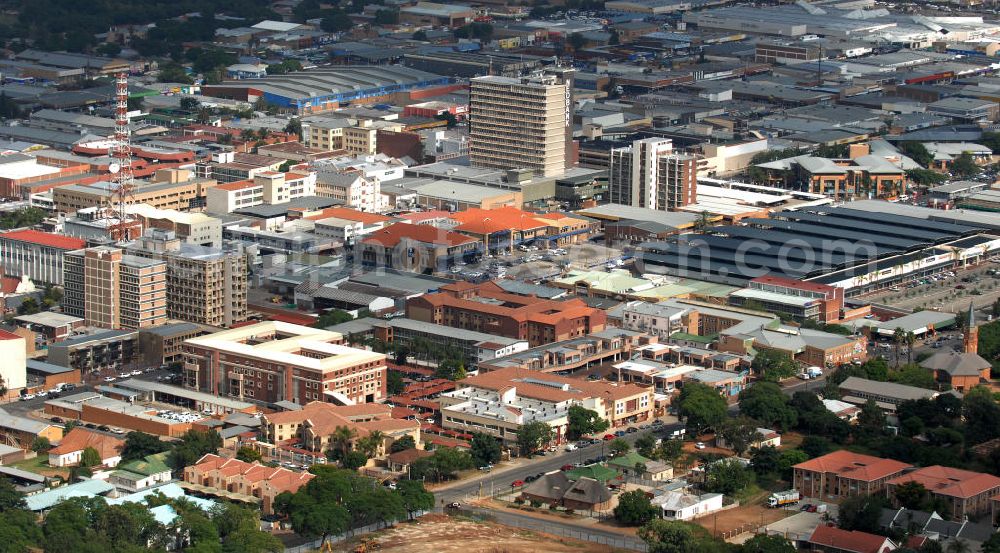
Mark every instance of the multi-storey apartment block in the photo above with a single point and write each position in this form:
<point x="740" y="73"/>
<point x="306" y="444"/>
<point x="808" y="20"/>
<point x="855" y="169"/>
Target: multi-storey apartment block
<point x="111" y="289"/>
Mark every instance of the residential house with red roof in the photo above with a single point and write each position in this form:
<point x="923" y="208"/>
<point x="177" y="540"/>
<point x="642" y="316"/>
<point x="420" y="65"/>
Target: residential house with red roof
<point x="967" y="493"/>
<point x="36" y="254"/>
<point x="830" y="539"/>
<point x="214" y="475"/>
<point x="416" y="248"/>
<point x="71" y="447"/>
<point x="489" y="308"/>
<point x="844" y="474"/>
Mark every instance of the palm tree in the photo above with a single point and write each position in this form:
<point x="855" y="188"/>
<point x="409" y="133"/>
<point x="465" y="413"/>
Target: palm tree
<point x="910" y="339"/>
<point x="340" y="440"/>
<point x="898" y="337"/>
<point x="371" y="444"/>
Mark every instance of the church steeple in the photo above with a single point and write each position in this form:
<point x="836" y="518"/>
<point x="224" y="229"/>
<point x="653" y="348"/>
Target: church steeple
<point x="970" y="341"/>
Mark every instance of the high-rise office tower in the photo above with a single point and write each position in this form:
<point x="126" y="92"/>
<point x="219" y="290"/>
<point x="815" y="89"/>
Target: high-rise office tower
<point x="649" y="174"/>
<point x="111" y="289"/>
<point x="522" y="123"/>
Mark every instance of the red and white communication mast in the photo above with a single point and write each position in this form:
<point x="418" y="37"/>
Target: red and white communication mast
<point x="122" y="178"/>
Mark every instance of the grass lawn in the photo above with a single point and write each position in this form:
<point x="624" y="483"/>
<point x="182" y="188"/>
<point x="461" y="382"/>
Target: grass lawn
<point x="40" y="465"/>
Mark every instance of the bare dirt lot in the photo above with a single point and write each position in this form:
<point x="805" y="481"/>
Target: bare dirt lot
<point x="442" y="534"/>
<point x="740" y="519"/>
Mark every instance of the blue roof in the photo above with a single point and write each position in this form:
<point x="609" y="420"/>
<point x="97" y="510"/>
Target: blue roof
<point x="171" y="490"/>
<point x="55" y="496"/>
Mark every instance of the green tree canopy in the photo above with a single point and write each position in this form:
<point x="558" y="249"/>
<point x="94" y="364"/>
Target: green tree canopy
<point x="583" y="421"/>
<point x="764" y="543"/>
<point x="765" y="402"/>
<point x="533" y="436"/>
<point x="90" y="458"/>
<point x="485" y="449"/>
<point x="634" y="508"/>
<point x="728" y="477"/>
<point x="701" y="406"/>
<point x="773" y="365"/>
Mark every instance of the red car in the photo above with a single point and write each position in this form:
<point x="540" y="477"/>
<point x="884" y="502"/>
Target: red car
<point x="609" y="437"/>
<point x="517" y="483"/>
<point x="567" y="467"/>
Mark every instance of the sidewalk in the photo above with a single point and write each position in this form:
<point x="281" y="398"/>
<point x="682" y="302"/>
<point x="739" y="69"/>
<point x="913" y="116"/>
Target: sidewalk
<point x="542" y="514"/>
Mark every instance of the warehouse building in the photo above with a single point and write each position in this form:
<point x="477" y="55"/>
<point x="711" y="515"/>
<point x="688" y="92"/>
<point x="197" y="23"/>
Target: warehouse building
<point x="325" y="89"/>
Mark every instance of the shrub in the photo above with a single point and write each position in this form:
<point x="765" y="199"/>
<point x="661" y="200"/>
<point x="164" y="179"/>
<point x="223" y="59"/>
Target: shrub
<point x="535" y="503"/>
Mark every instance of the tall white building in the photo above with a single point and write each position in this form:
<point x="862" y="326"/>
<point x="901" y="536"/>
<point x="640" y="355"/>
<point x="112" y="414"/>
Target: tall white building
<point x="649" y="174"/>
<point x="522" y="123"/>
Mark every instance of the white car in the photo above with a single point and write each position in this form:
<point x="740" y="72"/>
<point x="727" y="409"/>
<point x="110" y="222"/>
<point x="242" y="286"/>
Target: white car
<point x="109" y="379"/>
<point x="26" y="397"/>
<point x="136" y="372"/>
<point x="699" y="445"/>
<point x="43" y="393"/>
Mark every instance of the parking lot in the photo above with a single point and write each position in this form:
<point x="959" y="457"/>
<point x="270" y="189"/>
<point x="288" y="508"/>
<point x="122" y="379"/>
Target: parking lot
<point x="536" y="264"/>
<point x="949" y="291"/>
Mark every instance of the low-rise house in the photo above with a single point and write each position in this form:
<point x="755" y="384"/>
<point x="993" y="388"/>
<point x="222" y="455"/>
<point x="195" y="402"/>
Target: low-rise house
<point x="557" y="488"/>
<point x="844" y="474"/>
<point x="23" y="431"/>
<point x="887" y="395"/>
<point x="401" y="460"/>
<point x="676" y="505"/>
<point x="314" y="425"/>
<point x="255" y="482"/>
<point x="70" y="449"/>
<point x="966" y="493"/>
<point x="137" y="475"/>
<point x="765" y="438"/>
<point x="830" y="539"/>
<point x="932" y="526"/>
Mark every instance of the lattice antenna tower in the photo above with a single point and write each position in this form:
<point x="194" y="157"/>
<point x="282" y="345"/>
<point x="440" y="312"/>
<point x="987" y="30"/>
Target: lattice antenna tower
<point x="122" y="176"/>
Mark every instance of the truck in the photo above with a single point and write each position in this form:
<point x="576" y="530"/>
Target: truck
<point x="781" y="499"/>
<point x="810" y="373"/>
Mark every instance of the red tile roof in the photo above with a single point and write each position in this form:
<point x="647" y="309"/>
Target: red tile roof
<point x="391" y="236"/>
<point x="45" y="239"/>
<point x="857" y="542"/>
<point x="854" y="466"/>
<point x="951" y="481"/>
<point x="5" y="335"/>
<point x="488" y="221"/>
<point x="79" y="439"/>
<point x="236" y="185"/>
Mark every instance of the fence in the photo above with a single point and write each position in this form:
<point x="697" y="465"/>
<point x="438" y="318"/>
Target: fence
<point x="583" y="534"/>
<point x="316" y="544"/>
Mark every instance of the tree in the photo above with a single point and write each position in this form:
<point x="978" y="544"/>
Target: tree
<point x="451" y="369"/>
<point x="646" y="445"/>
<point x="925" y="177"/>
<point x="871" y="419"/>
<point x="41" y="444"/>
<point x="917" y="152"/>
<point x="728" y="477"/>
<point x="402" y="444"/>
<point x="353" y="460"/>
<point x="193" y="445"/>
<point x="447" y="461"/>
<point x="248" y="455"/>
<point x="371" y="444"/>
<point x="415" y="496"/>
<point x="583" y="421"/>
<point x="29" y="306"/>
<point x="670" y="450"/>
<point x="533" y="436"/>
<point x="964" y="166"/>
<point x="667" y="536"/>
<point x="912" y="495"/>
<point x="773" y="365"/>
<point x="992" y="545"/>
<point x="618" y="446"/>
<point x="739" y="433"/>
<point x="861" y="513"/>
<point x="341" y="441"/>
<point x="173" y="73"/>
<point x="913" y="375"/>
<point x="386" y="17"/>
<point x="189" y="104"/>
<point x="139" y="444"/>
<point x="765" y="460"/>
<point x="634" y="508"/>
<point x="394" y="384"/>
<point x="331" y="318"/>
<point x="701" y="406"/>
<point x="980" y="411"/>
<point x="765" y="402"/>
<point x="90" y="458"/>
<point x="485" y="449"/>
<point x="764" y="543"/>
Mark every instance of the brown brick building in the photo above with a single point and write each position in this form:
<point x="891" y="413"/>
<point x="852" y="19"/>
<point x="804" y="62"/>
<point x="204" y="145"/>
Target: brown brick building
<point x="844" y="474"/>
<point x="488" y="308"/>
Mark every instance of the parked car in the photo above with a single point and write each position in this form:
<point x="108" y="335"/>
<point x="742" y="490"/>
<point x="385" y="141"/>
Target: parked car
<point x="455" y="505"/>
<point x="620" y="433"/>
<point x="26" y="397"/>
<point x="608" y="437"/>
<point x="566" y="467"/>
<point x="517" y="483"/>
<point x="631" y="430"/>
<point x="699" y="445"/>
